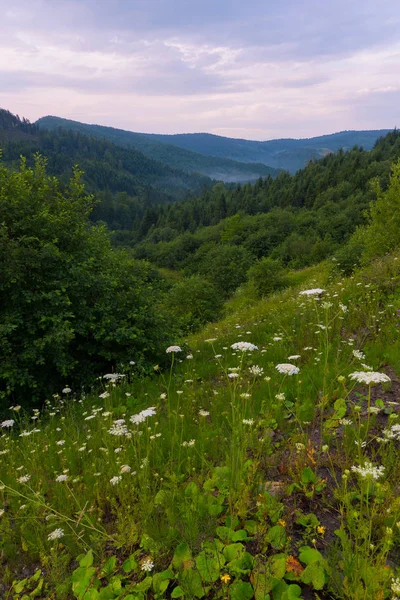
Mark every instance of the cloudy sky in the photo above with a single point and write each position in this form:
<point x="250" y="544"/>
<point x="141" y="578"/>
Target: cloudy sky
<point x="256" y="69"/>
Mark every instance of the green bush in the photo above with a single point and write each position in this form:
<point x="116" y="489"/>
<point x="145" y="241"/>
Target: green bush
<point x="225" y="266"/>
<point x="266" y="276"/>
<point x="383" y="232"/>
<point x="70" y="306"/>
<point x="194" y="301"/>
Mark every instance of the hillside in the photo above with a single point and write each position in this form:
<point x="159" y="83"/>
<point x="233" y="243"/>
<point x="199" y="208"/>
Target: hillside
<point x="219" y="168"/>
<point x="296" y="219"/>
<point x="125" y="181"/>
<point x="288" y="154"/>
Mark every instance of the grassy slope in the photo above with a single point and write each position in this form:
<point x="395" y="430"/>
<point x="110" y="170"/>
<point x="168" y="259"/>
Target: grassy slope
<point x="219" y="168"/>
<point x="235" y="510"/>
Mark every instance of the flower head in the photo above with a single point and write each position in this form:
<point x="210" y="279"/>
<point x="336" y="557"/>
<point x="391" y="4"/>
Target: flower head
<point x="287" y="369"/>
<point x="7" y="424"/>
<point x="56" y="534"/>
<point x="369" y="377"/>
<point x="244" y="346"/>
<point x="369" y="470"/>
<point x="313" y="292"/>
<point x="173" y="349"/>
<point x="147" y="564"/>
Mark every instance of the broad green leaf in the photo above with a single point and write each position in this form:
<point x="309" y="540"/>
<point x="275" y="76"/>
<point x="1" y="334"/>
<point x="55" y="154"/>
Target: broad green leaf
<point x="209" y="565"/>
<point x="241" y="590"/>
<point x="314" y="574"/>
<point x="309" y="555"/>
<point x="182" y="556"/>
<point x="177" y="592"/>
<point x="276" y="536"/>
<point x="130" y="564"/>
<point x="308" y="476"/>
<point x="87" y="560"/>
<point x="233" y="551"/>
<point x="108" y="567"/>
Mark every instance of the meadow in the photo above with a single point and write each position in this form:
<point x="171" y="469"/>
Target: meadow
<point x="263" y="463"/>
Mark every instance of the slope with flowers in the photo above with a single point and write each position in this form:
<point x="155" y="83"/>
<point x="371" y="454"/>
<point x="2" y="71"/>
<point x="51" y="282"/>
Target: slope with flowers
<point x="263" y="464"/>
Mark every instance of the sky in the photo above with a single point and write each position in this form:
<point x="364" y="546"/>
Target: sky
<point x="254" y="69"/>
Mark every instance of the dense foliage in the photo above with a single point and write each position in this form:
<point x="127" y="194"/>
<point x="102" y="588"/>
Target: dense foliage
<point x="297" y="220"/>
<point x="70" y="306"/>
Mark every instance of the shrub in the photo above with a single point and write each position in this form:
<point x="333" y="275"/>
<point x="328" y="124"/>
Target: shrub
<point x="266" y="276"/>
<point x="70" y="306"/>
<point x="195" y="302"/>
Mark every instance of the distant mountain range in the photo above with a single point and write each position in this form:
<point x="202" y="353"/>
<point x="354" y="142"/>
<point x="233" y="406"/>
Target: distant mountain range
<point x="286" y="153"/>
<point x="173" y="155"/>
<point x="227" y="159"/>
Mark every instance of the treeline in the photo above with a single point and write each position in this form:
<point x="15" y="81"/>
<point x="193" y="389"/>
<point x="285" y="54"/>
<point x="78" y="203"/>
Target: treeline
<point x="296" y="220"/>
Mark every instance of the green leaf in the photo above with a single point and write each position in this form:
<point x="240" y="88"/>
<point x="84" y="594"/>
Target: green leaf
<point x="177" y="592"/>
<point x="144" y="585"/>
<point x="276" y="536"/>
<point x="240" y="535"/>
<point x="87" y="560"/>
<point x="233" y="551"/>
<point x="191" y="581"/>
<point x="182" y="555"/>
<point x="108" y="567"/>
<point x="314" y="574"/>
<point x="241" y="590"/>
<point x="277" y="566"/>
<point x="130" y="564"/>
<point x="340" y="408"/>
<point x="308" y="476"/>
<point x="209" y="565"/>
<point x="309" y="555"/>
<point x="293" y="592"/>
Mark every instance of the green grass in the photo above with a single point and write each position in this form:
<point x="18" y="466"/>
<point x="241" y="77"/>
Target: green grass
<point x="236" y="487"/>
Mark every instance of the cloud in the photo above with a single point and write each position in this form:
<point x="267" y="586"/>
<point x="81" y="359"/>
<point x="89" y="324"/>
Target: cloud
<point x="248" y="69"/>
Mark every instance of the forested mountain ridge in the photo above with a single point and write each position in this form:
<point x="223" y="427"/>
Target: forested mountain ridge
<point x="124" y="180"/>
<point x="220" y="168"/>
<point x="297" y="220"/>
<point x="288" y="154"/>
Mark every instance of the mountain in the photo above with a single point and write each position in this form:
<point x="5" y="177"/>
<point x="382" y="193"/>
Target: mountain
<point x="173" y="155"/>
<point x="106" y="166"/>
<point x="288" y="154"/>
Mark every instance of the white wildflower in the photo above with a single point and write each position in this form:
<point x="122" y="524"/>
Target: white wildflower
<point x="66" y="390"/>
<point x="56" y="534"/>
<point x="233" y="375"/>
<point x="248" y="421"/>
<point x="256" y="370"/>
<point x="358" y="354"/>
<point x="7" y="424"/>
<point x="115" y="480"/>
<point x="203" y="413"/>
<point x="312" y="292"/>
<point x="294" y="357"/>
<point x="369" y="377"/>
<point x="126" y="469"/>
<point x="147" y="564"/>
<point x="244" y="346"/>
<point x="60" y="442"/>
<point x="143" y="415"/>
<point x="189" y="357"/>
<point x="61" y="478"/>
<point x="24" y="479"/>
<point x="369" y="471"/>
<point x="118" y="429"/>
<point x="287" y="369"/>
<point x="173" y="349"/>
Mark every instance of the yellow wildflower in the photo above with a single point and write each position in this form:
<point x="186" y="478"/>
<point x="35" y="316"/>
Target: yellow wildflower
<point x="321" y="529"/>
<point x="282" y="522"/>
<point x="225" y="578"/>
